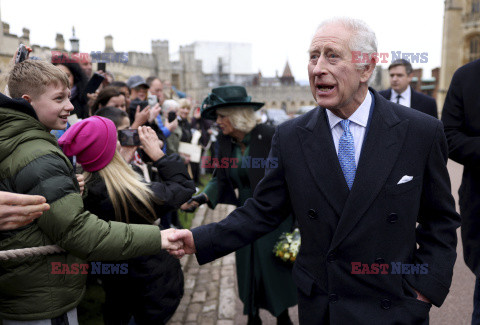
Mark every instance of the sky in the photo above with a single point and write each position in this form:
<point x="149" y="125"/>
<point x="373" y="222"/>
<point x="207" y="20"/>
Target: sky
<point x="278" y="30"/>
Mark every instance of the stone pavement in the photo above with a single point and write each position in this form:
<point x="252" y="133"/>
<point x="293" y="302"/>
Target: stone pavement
<point x="211" y="290"/>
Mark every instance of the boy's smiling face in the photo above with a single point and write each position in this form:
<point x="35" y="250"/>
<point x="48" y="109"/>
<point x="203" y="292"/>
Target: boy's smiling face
<point x="53" y="106"/>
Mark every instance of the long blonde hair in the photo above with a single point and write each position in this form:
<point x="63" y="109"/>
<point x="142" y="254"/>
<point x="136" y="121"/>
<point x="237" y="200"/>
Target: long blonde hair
<point x="125" y="189"/>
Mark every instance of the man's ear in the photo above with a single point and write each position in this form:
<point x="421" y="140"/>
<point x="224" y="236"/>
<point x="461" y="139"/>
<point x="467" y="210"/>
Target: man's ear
<point x="367" y="70"/>
<point x="410" y="77"/>
<point x="27" y="98"/>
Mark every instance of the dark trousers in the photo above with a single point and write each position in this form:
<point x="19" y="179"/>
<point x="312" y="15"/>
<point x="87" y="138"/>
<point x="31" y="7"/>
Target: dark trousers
<point x="476" y="303"/>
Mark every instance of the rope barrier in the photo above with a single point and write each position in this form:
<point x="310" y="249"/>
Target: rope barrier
<point x="32" y="251"/>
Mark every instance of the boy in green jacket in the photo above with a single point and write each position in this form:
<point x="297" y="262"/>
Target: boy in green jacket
<point x="32" y="163"/>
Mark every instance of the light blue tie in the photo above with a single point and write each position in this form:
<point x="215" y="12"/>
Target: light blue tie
<point x="346" y="153"/>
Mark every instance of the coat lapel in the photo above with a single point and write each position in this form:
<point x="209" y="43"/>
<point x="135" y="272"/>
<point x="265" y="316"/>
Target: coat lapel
<point x="379" y="153"/>
<point x="322" y="160"/>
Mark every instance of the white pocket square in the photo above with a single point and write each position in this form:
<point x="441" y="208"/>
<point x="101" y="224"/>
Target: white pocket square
<point x="405" y="179"/>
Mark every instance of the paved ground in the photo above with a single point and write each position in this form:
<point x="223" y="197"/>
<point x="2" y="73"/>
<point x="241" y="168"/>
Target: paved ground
<point x="211" y="290"/>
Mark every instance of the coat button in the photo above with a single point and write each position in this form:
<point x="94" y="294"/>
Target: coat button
<point x="380" y="260"/>
<point x="312" y="214"/>
<point x="333" y="298"/>
<point x="392" y="218"/>
<point x="386" y="303"/>
<point x="332" y="256"/>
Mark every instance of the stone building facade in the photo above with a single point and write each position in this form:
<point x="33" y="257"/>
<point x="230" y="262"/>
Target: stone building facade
<point x="461" y="40"/>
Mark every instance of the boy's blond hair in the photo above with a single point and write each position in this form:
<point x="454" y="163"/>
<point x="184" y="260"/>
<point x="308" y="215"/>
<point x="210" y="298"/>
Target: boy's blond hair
<point x="32" y="77"/>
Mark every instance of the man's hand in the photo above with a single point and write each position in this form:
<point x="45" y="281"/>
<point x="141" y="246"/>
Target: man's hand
<point x="81" y="182"/>
<point x="151" y="144"/>
<point x="422" y="297"/>
<point x="186" y="237"/>
<point x="156" y="109"/>
<point x="17" y="210"/>
<point x="170" y="245"/>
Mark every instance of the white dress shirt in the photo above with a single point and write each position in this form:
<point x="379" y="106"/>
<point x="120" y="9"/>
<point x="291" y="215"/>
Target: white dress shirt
<point x="405" y="100"/>
<point x="358" y="125"/>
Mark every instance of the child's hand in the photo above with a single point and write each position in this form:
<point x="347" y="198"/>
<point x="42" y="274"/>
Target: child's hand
<point x="81" y="182"/>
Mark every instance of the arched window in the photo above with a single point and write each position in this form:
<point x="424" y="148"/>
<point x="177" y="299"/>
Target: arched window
<point x="474" y="48"/>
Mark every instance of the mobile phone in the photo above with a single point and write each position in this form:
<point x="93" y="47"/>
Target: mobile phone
<point x="94" y="83"/>
<point x="22" y="53"/>
<point x="171" y="116"/>
<point x="129" y="137"/>
<point x="102" y="66"/>
<point x="152" y="100"/>
<point x="134" y="103"/>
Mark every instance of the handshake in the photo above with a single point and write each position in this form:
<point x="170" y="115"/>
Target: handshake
<point x="178" y="242"/>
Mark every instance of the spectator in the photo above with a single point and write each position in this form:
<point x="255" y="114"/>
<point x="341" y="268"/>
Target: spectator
<point x="138" y="87"/>
<point x="40" y="103"/>
<point x="153" y="287"/>
<point x="109" y="96"/>
<point x="86" y="65"/>
<point x="156" y="88"/>
<point x="77" y="81"/>
<point x="123" y="88"/>
<point x="173" y="141"/>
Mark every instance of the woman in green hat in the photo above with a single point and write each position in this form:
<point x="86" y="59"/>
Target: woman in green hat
<point x="263" y="280"/>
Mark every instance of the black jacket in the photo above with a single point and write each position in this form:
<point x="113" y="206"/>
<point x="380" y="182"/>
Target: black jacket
<point x="461" y="118"/>
<point x="418" y="101"/>
<point x="260" y="140"/>
<point x="375" y="222"/>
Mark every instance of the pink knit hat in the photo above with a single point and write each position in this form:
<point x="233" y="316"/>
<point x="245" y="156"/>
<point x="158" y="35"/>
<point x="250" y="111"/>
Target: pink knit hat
<point x="93" y="141"/>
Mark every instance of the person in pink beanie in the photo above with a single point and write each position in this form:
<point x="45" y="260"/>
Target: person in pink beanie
<point x="153" y="286"/>
<point x="93" y="141"/>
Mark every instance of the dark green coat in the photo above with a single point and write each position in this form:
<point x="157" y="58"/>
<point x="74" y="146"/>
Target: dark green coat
<point x="32" y="163"/>
<point x="263" y="280"/>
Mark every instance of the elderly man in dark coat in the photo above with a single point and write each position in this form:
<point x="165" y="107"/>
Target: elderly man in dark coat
<point x="359" y="172"/>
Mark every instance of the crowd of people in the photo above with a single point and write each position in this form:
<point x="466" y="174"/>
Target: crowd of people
<point x="99" y="167"/>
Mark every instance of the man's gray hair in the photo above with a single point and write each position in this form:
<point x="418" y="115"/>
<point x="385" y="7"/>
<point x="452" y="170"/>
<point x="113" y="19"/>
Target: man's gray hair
<point x="362" y="40"/>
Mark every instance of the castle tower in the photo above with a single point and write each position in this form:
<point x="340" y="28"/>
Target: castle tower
<point x="109" y="44"/>
<point x="187" y="62"/>
<point x="162" y="59"/>
<point x="452" y="53"/>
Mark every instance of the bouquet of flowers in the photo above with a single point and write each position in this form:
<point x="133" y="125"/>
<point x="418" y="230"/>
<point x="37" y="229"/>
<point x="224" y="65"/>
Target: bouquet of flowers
<point x="288" y="246"/>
